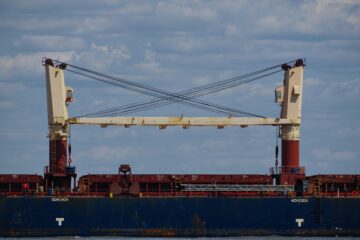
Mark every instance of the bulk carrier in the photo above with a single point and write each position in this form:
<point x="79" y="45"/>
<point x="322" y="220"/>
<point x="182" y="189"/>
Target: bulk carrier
<point x="283" y="202"/>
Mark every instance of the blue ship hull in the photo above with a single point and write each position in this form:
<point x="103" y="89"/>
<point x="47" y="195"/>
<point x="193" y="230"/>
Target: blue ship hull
<point x="179" y="216"/>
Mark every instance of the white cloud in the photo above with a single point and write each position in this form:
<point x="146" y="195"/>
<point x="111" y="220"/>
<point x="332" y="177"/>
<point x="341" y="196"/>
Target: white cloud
<point x="102" y="57"/>
<point x="149" y="56"/>
<point x="121" y="52"/>
<point x="97" y="56"/>
<point x="184" y="10"/>
<point x="341" y="90"/>
<point x="249" y="93"/>
<point x="311" y="17"/>
<point x="25" y="63"/>
<point x="202" y="80"/>
<point x="186" y="43"/>
<point x="269" y="22"/>
<point x="333" y="155"/>
<point x="231" y="30"/>
<point x="207" y="145"/>
<point x="110" y="154"/>
<point x="313" y="82"/>
<point x="89" y="25"/>
<point x="347" y="132"/>
<point x="134" y="9"/>
<point x="149" y="64"/>
<point x="51" y="42"/>
<point x="35" y="24"/>
<point x="335" y="161"/>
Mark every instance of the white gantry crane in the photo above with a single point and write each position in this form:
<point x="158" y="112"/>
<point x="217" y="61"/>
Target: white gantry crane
<point x="288" y="95"/>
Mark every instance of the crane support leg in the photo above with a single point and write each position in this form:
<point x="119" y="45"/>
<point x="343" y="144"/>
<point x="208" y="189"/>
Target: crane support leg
<point x="58" y="174"/>
<point x="289" y="95"/>
<point x="290" y="159"/>
<point x="290" y="154"/>
<point x="58" y="156"/>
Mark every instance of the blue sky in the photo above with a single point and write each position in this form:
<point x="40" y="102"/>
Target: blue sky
<point x="176" y="45"/>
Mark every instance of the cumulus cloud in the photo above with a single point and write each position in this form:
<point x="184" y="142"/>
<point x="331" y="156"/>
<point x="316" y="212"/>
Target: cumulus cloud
<point x="149" y="64"/>
<point x="312" y="17"/>
<point x="96" y="24"/>
<point x="313" y="82"/>
<point x="35" y="24"/>
<point x="25" y="63"/>
<point x="102" y="57"/>
<point x="325" y="160"/>
<point x="346" y="132"/>
<point x="186" y="43"/>
<point x="231" y="30"/>
<point x="51" y="42"/>
<point x="182" y="9"/>
<point x="110" y="154"/>
<point x="134" y="9"/>
<point x="202" y="80"/>
<point x="331" y="155"/>
<point x="339" y="91"/>
<point x="342" y="89"/>
<point x="96" y="56"/>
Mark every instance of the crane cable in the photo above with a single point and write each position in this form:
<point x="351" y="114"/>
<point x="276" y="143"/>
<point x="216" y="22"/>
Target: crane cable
<point x="184" y="97"/>
<point x="153" y="103"/>
<point x="180" y="98"/>
<point x="194" y="103"/>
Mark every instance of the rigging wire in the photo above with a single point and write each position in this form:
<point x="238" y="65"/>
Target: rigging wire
<point x="146" y="105"/>
<point x="194" y="92"/>
<point x="165" y="97"/>
<point x="194" y="103"/>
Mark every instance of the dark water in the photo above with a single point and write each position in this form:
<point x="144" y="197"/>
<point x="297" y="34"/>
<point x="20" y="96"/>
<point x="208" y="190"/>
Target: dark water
<point x="221" y="238"/>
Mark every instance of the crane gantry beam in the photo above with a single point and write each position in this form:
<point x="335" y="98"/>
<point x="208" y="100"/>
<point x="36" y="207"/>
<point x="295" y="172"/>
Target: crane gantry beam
<point x="184" y="122"/>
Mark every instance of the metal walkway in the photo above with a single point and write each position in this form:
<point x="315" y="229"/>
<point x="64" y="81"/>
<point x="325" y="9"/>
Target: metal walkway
<point x="235" y="188"/>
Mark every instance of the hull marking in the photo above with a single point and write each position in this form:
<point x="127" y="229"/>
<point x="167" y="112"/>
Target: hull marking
<point x="299" y="221"/>
<point x="59" y="220"/>
<point x="64" y="199"/>
<point x="299" y="200"/>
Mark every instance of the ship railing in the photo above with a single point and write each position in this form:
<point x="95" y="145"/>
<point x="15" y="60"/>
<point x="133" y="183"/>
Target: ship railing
<point x="235" y="188"/>
<point x="292" y="170"/>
